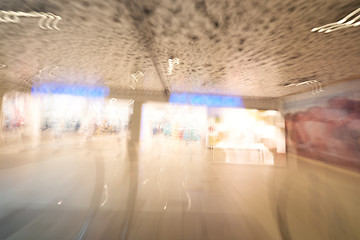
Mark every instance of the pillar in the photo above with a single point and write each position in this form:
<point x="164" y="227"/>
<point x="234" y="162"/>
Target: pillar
<point x="1" y="117"/>
<point x="135" y="121"/>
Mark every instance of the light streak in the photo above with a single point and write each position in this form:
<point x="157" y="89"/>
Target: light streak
<point x="46" y="21"/>
<point x="342" y="23"/>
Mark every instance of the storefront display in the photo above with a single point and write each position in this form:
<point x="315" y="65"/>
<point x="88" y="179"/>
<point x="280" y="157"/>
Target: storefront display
<point x="246" y="130"/>
<point x="180" y="122"/>
<point x="61" y="113"/>
<point x="19" y="116"/>
<point x="89" y="116"/>
<point x="114" y="117"/>
<point x="14" y="111"/>
<point x="53" y="115"/>
<point x="248" y="136"/>
<point x="244" y="135"/>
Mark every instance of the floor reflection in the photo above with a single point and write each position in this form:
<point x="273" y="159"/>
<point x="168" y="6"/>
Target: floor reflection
<point x="109" y="188"/>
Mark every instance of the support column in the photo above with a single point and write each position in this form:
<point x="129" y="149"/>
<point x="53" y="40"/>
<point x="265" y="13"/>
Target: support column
<point x="135" y="121"/>
<point x="1" y="117"/>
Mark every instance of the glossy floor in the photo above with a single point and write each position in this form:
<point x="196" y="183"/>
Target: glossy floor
<point x="108" y="188"/>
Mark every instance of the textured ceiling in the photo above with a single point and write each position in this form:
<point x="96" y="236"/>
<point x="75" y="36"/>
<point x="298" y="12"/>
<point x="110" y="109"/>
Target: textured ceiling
<point x="248" y="48"/>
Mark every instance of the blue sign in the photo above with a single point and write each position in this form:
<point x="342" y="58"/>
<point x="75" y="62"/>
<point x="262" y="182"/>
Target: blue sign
<point x="206" y="100"/>
<point x="76" y="90"/>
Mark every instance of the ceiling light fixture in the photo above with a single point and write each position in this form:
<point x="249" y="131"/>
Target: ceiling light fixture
<point x="351" y="20"/>
<point x="135" y="78"/>
<point x="46" y="21"/>
<point x="113" y="100"/>
<point x="172" y="62"/>
<point x="316" y="86"/>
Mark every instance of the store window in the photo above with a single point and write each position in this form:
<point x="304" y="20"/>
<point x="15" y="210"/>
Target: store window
<point x="53" y="115"/>
<point x="246" y="135"/>
<point x="172" y="121"/>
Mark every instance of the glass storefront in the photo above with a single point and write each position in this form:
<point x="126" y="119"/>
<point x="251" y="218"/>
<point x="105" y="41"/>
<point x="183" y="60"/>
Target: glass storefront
<point x="179" y="122"/>
<point x="234" y="135"/>
<point x="246" y="135"/>
<point x="55" y="115"/>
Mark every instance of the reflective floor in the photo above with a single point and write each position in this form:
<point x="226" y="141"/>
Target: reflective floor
<point x="108" y="188"/>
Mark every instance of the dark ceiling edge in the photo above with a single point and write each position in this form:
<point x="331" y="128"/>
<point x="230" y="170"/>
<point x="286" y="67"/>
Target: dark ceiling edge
<point x="139" y="95"/>
<point x="356" y="77"/>
<point x="261" y="103"/>
<point x="144" y="93"/>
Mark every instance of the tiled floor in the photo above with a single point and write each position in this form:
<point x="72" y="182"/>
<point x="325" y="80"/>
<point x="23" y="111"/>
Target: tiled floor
<point x="105" y="188"/>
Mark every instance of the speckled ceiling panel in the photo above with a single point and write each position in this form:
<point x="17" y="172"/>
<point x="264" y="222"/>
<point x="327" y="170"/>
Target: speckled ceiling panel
<point x="248" y="48"/>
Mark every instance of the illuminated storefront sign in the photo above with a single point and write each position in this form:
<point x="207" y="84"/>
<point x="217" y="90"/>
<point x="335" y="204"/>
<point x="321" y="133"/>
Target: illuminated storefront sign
<point x="75" y="90"/>
<point x="206" y="100"/>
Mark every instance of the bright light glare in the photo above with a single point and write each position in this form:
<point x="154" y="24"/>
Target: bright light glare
<point x="46" y="21"/>
<point x="343" y="23"/>
<point x="271" y="113"/>
<point x="113" y="100"/>
<point x="172" y="62"/>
